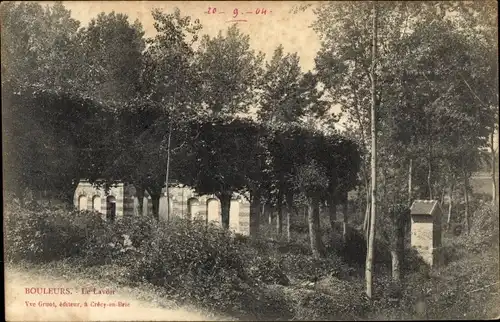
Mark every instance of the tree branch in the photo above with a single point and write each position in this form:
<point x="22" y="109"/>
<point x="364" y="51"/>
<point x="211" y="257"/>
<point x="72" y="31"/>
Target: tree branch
<point x="472" y="91"/>
<point x="482" y="288"/>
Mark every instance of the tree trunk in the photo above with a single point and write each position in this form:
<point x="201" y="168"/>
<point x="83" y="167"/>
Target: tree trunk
<point x="364" y="168"/>
<point x="366" y="222"/>
<point x="450" y="205"/>
<point x="279" y="215"/>
<point x="314" y="229"/>
<point x="345" y="219"/>
<point x="494" y="200"/>
<point x="155" y="199"/>
<point x="270" y="217"/>
<point x="410" y="188"/>
<point x="140" y="197"/>
<point x="22" y="199"/>
<point x="289" y="209"/>
<point x="332" y="211"/>
<point x="288" y="213"/>
<point x="429" y="176"/>
<point x="367" y="233"/>
<point x="397" y="245"/>
<point x="225" y="204"/>
<point x="255" y="212"/>
<point x="443" y="193"/>
<point x="396" y="266"/>
<point x="382" y="184"/>
<point x="466" y="196"/>
<point x="68" y="195"/>
<point x="170" y="129"/>
<point x="371" y="236"/>
<point x="168" y="167"/>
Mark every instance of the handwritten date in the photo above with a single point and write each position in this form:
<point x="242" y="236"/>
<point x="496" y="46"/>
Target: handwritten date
<point x="237" y="12"/>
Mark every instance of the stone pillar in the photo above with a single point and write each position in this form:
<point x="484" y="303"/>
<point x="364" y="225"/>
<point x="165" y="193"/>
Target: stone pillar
<point x="234" y="216"/>
<point x="213" y="211"/>
<point x="149" y="206"/>
<point x="244" y="218"/>
<point x="163" y="208"/>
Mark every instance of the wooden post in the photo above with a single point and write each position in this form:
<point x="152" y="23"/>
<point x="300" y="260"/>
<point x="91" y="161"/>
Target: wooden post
<point x="371" y="236"/>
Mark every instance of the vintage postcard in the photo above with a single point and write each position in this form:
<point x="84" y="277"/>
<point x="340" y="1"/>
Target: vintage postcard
<point x="250" y="160"/>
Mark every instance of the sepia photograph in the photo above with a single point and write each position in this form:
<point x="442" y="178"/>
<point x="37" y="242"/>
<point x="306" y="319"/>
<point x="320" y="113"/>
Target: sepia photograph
<point x="250" y="160"/>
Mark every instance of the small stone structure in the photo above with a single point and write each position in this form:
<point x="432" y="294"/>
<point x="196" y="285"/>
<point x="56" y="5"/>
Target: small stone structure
<point x="121" y="200"/>
<point x="426" y="230"/>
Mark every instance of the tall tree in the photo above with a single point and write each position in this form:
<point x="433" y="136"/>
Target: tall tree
<point x="169" y="76"/>
<point x="110" y="52"/>
<point x="373" y="163"/>
<point x="38" y="46"/>
<point x="229" y="69"/>
<point x="286" y="96"/>
<point x="222" y="159"/>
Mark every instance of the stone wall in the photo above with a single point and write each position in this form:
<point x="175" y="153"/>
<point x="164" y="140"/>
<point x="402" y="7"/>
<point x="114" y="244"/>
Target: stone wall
<point x="184" y="203"/>
<point x="88" y="197"/>
<point x="422" y="236"/>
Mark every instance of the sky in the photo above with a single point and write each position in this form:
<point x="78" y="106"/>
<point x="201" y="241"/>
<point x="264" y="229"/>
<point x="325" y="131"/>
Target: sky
<point x="278" y="25"/>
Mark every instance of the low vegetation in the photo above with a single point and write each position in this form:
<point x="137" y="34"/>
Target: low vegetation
<point x="193" y="264"/>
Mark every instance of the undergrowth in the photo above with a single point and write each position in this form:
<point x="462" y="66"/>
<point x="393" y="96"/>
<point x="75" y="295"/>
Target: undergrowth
<point x="266" y="278"/>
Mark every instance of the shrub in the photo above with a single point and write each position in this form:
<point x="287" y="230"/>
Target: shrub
<point x="294" y="248"/>
<point x="309" y="268"/>
<point x="192" y="261"/>
<point x="320" y="306"/>
<point x="463" y="288"/>
<point x="484" y="228"/>
<point x="299" y="225"/>
<point x="274" y="305"/>
<point x="45" y="234"/>
<point x="139" y="229"/>
<point x="412" y="262"/>
<point x="268" y="270"/>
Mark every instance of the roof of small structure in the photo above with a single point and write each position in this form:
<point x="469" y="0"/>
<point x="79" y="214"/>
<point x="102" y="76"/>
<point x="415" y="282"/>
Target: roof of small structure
<point x="423" y="207"/>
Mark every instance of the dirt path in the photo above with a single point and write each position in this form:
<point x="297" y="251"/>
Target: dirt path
<point x="122" y="305"/>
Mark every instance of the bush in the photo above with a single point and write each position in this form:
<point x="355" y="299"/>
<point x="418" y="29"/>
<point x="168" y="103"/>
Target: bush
<point x="268" y="270"/>
<point x="275" y="305"/>
<point x="320" y="306"/>
<point x="45" y="234"/>
<point x="309" y="268"/>
<point x="484" y="228"/>
<point x="299" y="226"/>
<point x="294" y="248"/>
<point x="192" y="261"/>
<point x="412" y="262"/>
